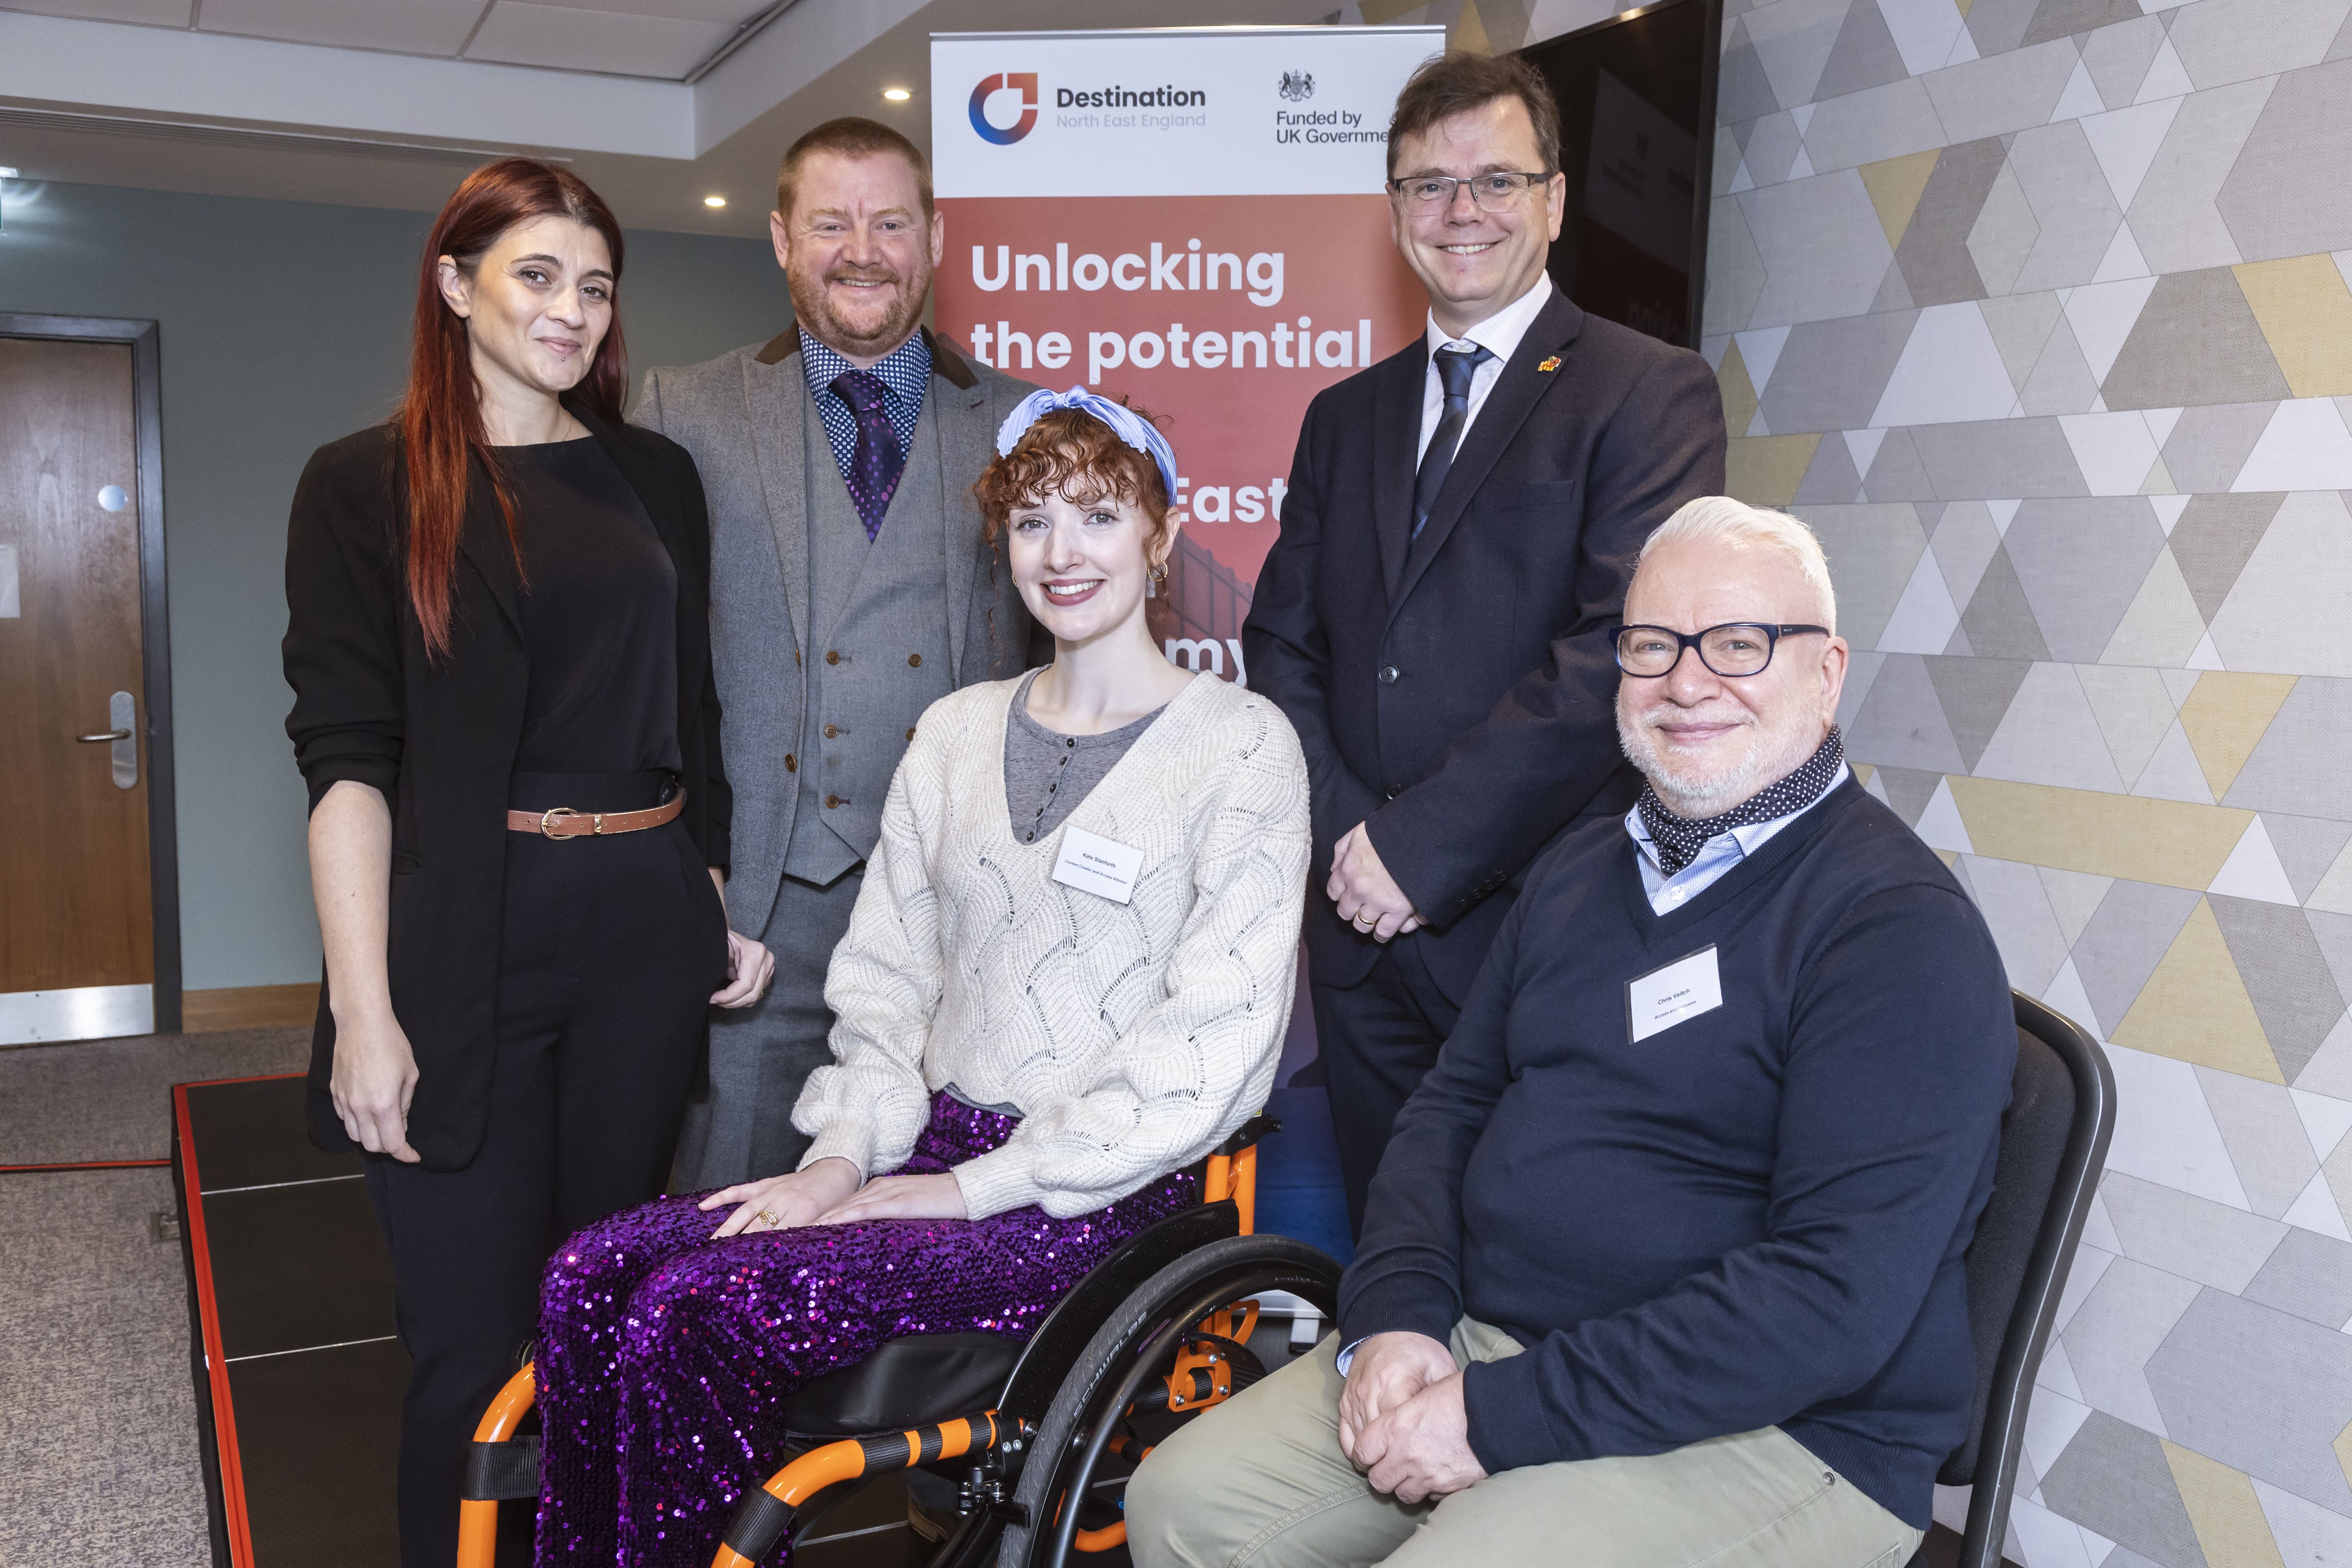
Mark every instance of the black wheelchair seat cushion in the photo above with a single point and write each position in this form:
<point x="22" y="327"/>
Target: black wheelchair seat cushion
<point x="911" y="1382"/>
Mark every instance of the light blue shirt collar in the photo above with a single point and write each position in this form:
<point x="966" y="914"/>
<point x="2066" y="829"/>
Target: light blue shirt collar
<point x="1722" y="852"/>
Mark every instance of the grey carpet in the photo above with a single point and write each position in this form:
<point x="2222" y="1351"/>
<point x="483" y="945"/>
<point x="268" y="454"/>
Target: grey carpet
<point x="110" y="1099"/>
<point x="98" y="1425"/>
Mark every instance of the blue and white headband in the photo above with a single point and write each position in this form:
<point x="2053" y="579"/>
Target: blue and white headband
<point x="1125" y="423"/>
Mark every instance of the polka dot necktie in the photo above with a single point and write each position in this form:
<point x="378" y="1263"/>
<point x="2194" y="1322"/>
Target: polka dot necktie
<point x="1679" y="838"/>
<point x="1456" y="368"/>
<point x="877" y="463"/>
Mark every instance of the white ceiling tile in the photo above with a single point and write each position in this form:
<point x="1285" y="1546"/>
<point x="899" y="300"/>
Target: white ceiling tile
<point x="154" y="13"/>
<point x="726" y="12"/>
<point x="411" y="27"/>
<point x="569" y="38"/>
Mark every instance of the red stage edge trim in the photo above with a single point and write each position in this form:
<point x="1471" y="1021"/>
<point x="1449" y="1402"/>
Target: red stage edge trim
<point x="83" y="1165"/>
<point x="232" y="1470"/>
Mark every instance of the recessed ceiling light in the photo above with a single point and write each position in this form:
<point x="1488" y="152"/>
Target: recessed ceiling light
<point x="6" y="173"/>
<point x="896" y="94"/>
<point x="714" y="201"/>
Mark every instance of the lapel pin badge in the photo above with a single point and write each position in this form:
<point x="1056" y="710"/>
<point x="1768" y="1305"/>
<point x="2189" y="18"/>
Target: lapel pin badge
<point x="1549" y="366"/>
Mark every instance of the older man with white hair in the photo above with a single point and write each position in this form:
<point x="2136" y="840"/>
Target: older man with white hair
<point x="1663" y="1265"/>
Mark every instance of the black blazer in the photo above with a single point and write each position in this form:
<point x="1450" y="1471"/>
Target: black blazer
<point x="439" y="738"/>
<point x="1457" y="691"/>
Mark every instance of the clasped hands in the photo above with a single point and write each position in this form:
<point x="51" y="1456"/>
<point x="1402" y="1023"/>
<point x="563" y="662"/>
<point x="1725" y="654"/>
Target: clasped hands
<point x="1367" y="896"/>
<point x="829" y="1193"/>
<point x="1402" y="1419"/>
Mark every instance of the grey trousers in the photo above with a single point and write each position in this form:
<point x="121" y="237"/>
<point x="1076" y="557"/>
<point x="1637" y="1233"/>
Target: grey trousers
<point x="738" y="1126"/>
<point x="1260" y="1483"/>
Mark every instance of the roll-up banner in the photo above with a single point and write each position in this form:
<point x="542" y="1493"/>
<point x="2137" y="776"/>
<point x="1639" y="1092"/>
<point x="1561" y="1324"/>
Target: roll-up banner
<point x="1192" y="218"/>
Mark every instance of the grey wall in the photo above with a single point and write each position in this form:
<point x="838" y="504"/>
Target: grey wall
<point x="284" y="326"/>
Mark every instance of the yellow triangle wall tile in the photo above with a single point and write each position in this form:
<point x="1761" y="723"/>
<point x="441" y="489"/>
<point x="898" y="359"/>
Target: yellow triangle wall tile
<point x="2224" y="718"/>
<point x="1470" y="29"/>
<point x="2343" y="1451"/>
<point x="1765" y="470"/>
<point x="2195" y="1008"/>
<point x="2306" y="313"/>
<point x="1380" y="13"/>
<point x="1963" y="5"/>
<point x="2224" y="1511"/>
<point x="2165" y="841"/>
<point x="1895" y="185"/>
<point x="1739" y="390"/>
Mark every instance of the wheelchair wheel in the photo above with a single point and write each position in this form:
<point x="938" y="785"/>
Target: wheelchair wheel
<point x="1125" y="1354"/>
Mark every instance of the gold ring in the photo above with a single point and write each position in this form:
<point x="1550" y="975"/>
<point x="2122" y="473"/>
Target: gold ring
<point x="772" y="1222"/>
<point x="1368" y="925"/>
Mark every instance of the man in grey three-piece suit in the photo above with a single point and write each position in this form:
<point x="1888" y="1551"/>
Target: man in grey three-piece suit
<point x="849" y="589"/>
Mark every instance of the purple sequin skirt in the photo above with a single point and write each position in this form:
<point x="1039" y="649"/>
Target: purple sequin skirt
<point x="667" y="1361"/>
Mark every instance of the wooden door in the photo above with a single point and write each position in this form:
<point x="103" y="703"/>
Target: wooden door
<point x="77" y="933"/>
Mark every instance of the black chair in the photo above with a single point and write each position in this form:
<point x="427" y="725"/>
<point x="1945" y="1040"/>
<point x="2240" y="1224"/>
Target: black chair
<point x="2054" y="1145"/>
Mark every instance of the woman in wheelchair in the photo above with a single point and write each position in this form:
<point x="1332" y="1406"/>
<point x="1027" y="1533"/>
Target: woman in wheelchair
<point x="1066" y="980"/>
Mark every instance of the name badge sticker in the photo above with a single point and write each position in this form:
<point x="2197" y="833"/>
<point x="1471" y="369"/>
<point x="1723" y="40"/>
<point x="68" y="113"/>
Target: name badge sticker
<point x="1685" y="988"/>
<point x="1093" y="864"/>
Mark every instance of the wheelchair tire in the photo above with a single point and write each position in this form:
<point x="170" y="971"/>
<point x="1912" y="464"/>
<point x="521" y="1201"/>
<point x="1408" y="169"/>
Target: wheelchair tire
<point x="1069" y="1441"/>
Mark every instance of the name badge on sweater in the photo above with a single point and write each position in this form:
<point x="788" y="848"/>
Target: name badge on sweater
<point x="1093" y="864"/>
<point x="1664" y="997"/>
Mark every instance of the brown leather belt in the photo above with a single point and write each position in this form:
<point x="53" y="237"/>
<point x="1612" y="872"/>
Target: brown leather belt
<point x="562" y="822"/>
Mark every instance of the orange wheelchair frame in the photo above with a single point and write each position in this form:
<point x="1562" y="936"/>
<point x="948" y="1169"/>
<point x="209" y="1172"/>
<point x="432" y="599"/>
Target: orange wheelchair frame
<point x="1160" y="1329"/>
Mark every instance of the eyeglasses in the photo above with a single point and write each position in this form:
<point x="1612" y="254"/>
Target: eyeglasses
<point x="1733" y="649"/>
<point x="1493" y="191"/>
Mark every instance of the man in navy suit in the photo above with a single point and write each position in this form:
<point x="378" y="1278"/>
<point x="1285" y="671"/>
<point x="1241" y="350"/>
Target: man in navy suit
<point x="1462" y="521"/>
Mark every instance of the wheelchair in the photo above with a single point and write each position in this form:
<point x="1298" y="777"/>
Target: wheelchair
<point x="1040" y="1436"/>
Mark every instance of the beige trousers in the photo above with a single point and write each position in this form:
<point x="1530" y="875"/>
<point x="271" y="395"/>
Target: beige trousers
<point x="1261" y="1483"/>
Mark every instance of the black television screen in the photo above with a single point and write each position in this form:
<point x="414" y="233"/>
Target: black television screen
<point x="1636" y="137"/>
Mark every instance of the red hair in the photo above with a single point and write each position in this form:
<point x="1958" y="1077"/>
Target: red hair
<point x="440" y="416"/>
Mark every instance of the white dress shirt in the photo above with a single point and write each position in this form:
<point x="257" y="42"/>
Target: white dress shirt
<point x="1499" y="335"/>
<point x="1720" y="854"/>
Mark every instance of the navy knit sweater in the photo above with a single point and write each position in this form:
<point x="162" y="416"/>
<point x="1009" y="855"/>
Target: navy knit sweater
<point x="1755" y="1217"/>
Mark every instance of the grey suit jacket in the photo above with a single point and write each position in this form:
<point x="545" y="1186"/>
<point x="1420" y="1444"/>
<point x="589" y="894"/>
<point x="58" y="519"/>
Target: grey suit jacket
<point x="740" y="415"/>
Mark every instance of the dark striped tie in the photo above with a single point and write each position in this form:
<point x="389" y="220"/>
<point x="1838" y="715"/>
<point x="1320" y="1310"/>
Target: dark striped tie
<point x="1454" y="369"/>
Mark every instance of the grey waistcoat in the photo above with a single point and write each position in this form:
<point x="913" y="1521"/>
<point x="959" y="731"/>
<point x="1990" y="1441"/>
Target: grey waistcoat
<point x="878" y="650"/>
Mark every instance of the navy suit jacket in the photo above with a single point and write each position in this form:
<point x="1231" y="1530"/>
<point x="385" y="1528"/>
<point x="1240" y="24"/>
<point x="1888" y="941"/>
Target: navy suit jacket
<point x="1456" y="692"/>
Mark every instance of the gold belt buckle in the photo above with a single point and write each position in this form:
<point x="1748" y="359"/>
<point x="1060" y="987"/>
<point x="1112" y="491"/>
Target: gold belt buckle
<point x="547" y="821"/>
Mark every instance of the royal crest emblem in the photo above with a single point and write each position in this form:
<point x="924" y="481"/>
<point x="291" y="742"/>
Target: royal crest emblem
<point x="1296" y="86"/>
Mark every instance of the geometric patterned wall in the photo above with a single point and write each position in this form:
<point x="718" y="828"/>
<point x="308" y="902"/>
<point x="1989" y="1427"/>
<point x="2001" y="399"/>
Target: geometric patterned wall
<point x="2037" y="311"/>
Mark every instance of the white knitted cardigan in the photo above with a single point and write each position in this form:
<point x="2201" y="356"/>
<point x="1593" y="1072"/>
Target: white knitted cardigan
<point x="1134" y="1037"/>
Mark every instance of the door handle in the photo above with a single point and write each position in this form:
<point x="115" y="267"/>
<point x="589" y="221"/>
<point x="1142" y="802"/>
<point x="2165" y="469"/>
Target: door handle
<point x="122" y="713"/>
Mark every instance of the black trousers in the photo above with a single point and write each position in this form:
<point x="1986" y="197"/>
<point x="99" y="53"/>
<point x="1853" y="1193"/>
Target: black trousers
<point x="1378" y="1037"/>
<point x="612" y="949"/>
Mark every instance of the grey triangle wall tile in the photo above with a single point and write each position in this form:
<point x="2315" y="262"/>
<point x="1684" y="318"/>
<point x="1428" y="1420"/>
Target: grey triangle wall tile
<point x="2267" y="1148"/>
<point x="1997" y="619"/>
<point x="2081" y="562"/>
<point x="2222" y="41"/>
<point x="1735" y="269"/>
<point x="2062" y="382"/>
<point x="1965" y="540"/>
<point x="2307" y="846"/>
<point x="2309" y="1276"/>
<point x="1793" y="39"/>
<point x="2209" y="443"/>
<point x="2262" y="1391"/>
<point x="1743" y="92"/>
<point x="2111" y="1335"/>
<point x="1772" y="148"/>
<point x="1934" y="256"/>
<point x="1996" y="26"/>
<point x="1909" y="790"/>
<point x="2112" y="1479"/>
<point x="1974" y="694"/>
<point x="2193" y="1237"/>
<point x="2172" y="214"/>
<point x="2298" y="766"/>
<point x="2129" y="935"/>
<point x="2285" y="976"/>
<point x="2058" y="18"/>
<point x="1823" y="248"/>
<point x="2214" y="538"/>
<point x="2117" y="58"/>
<point x="2063" y="181"/>
<point x="2001" y="93"/>
<point x="1893" y="294"/>
<point x="2285" y="194"/>
<point x="2004" y="233"/>
<point x="2196" y="341"/>
<point x="1992" y="459"/>
<point x="1829" y="373"/>
<point x="1896" y="471"/>
<point x="1868" y="127"/>
<point x="1864" y="57"/>
<point x="1831" y="479"/>
<point x="2020" y="325"/>
<point x="2341" y="47"/>
<point x="1901" y="723"/>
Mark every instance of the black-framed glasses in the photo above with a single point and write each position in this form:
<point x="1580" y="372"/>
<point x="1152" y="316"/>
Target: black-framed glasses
<point x="1732" y="649"/>
<point x="1493" y="191"/>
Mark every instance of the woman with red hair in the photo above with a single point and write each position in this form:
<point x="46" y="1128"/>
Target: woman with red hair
<point x="500" y="646"/>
